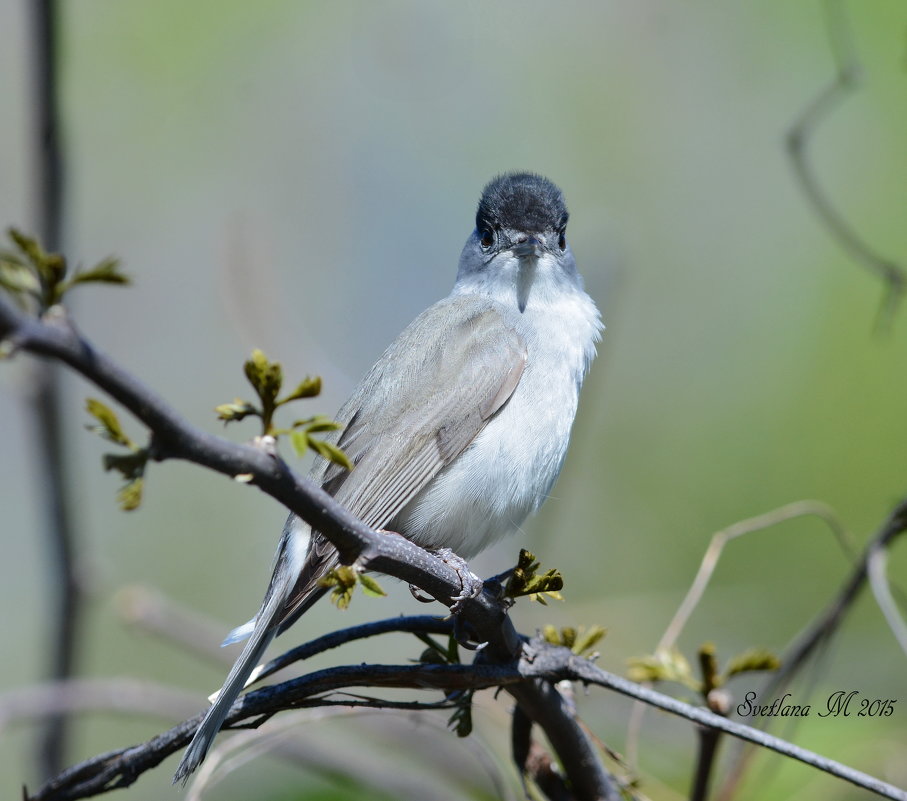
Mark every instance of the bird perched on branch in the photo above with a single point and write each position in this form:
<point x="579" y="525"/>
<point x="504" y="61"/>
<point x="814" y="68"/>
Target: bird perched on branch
<point x="460" y="429"/>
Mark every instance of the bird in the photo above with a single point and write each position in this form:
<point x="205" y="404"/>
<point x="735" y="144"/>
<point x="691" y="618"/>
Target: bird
<point x="459" y="430"/>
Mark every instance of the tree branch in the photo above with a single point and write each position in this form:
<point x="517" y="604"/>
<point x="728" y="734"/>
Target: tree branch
<point x="120" y="768"/>
<point x="484" y="616"/>
<point x="174" y="438"/>
<point x="421" y="624"/>
<point x="583" y="670"/>
<point x="530" y="682"/>
<point x="528" y="679"/>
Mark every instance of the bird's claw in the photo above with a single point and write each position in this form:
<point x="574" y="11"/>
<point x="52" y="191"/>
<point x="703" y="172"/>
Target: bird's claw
<point x="422" y="599"/>
<point x="470" y="584"/>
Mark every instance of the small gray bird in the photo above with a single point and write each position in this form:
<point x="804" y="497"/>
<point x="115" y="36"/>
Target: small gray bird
<point x="460" y="429"/>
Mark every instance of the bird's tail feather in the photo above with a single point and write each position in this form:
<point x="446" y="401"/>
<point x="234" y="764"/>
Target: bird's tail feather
<point x="294" y="548"/>
<point x="262" y="634"/>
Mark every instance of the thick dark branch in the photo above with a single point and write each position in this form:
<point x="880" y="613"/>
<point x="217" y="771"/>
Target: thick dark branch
<point x="120" y="768"/>
<point x="175" y="438"/>
<point x="530" y="682"/>
<point x="705" y="762"/>
<point x="45" y="408"/>
<point x="542" y="702"/>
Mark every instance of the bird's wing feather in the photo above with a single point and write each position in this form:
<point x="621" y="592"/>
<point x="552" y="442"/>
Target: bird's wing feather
<point x="410" y="417"/>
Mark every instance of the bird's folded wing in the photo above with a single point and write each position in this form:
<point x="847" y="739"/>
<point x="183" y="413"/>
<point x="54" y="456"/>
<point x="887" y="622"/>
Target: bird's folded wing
<point x="421" y="405"/>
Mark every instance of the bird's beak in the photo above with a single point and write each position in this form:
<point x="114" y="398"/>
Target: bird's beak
<point x="528" y="250"/>
<point x="529" y="247"/>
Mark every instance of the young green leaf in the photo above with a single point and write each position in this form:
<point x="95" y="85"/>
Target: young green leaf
<point x="461" y="720"/>
<point x="752" y="660"/>
<point x="300" y="442"/>
<point x="48" y="269"/>
<point x="109" y="425"/>
<point x="568" y="636"/>
<point x="342" y="581"/>
<point x="308" y="388"/>
<point x="265" y="377"/>
<point x="17" y="279"/>
<point x="106" y="271"/>
<point x="45" y="273"/>
<point x="236" y="411"/>
<point x="551" y="635"/>
<point x="588" y="639"/>
<point x="132" y="467"/>
<point x="371" y="587"/>
<point x="330" y="452"/>
<point x="578" y="640"/>
<point x="317" y="424"/>
<point x="130" y="496"/>
<point x="28" y="245"/>
<point x="708" y="667"/>
<point x="664" y="665"/>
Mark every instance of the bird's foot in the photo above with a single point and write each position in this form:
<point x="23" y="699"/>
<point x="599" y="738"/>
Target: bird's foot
<point x="470" y="584"/>
<point x="422" y="599"/>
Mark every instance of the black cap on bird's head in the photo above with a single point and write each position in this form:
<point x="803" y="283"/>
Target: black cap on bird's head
<point x="520" y="236"/>
<point x="522" y="201"/>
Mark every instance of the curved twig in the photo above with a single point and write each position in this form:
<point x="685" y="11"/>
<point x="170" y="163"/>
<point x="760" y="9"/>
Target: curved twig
<point x="846" y="77"/>
<point x="822" y="628"/>
<point x="876" y="569"/>
<point x="423" y="624"/>
<point x="790" y="511"/>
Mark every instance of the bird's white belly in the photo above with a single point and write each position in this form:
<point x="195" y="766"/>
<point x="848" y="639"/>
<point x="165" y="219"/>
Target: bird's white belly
<point x="508" y="471"/>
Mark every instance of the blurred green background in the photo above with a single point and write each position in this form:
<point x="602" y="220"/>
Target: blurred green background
<point x="301" y="176"/>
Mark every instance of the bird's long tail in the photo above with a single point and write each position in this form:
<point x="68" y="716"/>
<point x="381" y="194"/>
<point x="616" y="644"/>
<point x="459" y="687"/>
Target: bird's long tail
<point x="292" y="555"/>
<point x="262" y="634"/>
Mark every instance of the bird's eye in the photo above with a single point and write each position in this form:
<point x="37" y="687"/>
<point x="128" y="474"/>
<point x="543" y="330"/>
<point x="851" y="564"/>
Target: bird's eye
<point x="487" y="239"/>
<point x="562" y="241"/>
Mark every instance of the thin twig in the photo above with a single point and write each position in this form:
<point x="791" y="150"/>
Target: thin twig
<point x="174" y="438"/>
<point x="876" y="569"/>
<point x="761" y="522"/>
<point x="543" y="703"/>
<point x="287" y="739"/>
<point x="148" y="609"/>
<point x="845" y="80"/>
<point x="710" y="559"/>
<point x="424" y="624"/>
<point x="152" y="611"/>
<point x="820" y="630"/>
<point x="53" y="699"/>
